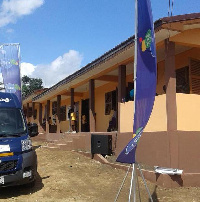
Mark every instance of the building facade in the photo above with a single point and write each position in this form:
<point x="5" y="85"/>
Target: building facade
<point x="98" y="96"/>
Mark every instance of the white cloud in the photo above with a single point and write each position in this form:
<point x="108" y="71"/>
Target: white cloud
<point x="27" y="69"/>
<point x="57" y="70"/>
<point x="11" y="10"/>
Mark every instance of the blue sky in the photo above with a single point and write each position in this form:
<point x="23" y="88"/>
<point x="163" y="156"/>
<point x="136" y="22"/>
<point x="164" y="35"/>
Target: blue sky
<point x="57" y="37"/>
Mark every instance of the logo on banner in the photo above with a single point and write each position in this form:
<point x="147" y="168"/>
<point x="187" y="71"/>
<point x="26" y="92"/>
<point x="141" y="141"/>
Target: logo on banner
<point x="12" y="88"/>
<point x="133" y="143"/>
<point x="14" y="62"/>
<point x="146" y="42"/>
<point x="4" y="100"/>
<point x="9" y="63"/>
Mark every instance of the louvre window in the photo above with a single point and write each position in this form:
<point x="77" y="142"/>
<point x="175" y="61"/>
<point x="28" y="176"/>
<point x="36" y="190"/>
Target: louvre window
<point x="195" y="76"/>
<point x="182" y="80"/>
<point x="110" y="102"/>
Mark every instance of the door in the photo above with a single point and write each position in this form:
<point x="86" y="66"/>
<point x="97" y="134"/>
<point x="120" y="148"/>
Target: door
<point x="85" y="119"/>
<point x="76" y="110"/>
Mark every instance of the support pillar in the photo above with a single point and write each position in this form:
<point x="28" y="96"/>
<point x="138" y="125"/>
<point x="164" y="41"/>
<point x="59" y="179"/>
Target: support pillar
<point x="27" y="112"/>
<point x="58" y="113"/>
<point x="170" y="80"/>
<point x="40" y="114"/>
<point x="47" y="116"/>
<point x="171" y="109"/>
<point x="92" y="105"/>
<point x="33" y="111"/>
<point x="72" y="99"/>
<point x="121" y="89"/>
<point x="72" y="108"/>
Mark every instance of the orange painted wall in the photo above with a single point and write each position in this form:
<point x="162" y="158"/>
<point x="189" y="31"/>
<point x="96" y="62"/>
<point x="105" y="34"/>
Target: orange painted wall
<point x="188" y="112"/>
<point x="126" y="116"/>
<point x="64" y="125"/>
<point x="158" y="118"/>
<point x="157" y="121"/>
<point x="190" y="36"/>
<point x="182" y="59"/>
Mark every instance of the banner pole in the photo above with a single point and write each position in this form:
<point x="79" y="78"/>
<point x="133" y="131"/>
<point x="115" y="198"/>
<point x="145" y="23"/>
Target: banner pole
<point x="132" y="178"/>
<point x="134" y="183"/>
<point x="135" y="53"/>
<point x="138" y="187"/>
<point x="150" y="197"/>
<point x="122" y="183"/>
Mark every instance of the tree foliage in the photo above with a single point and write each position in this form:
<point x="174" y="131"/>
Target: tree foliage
<point x="29" y="85"/>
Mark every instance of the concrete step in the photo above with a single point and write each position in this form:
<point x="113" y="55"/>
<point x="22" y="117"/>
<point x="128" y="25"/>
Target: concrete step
<point x="68" y="142"/>
<point x="71" y="137"/>
<point x="68" y="146"/>
<point x="41" y="130"/>
<point x="54" y="141"/>
<point x="52" y="145"/>
<point x="64" y="141"/>
<point x="79" y="142"/>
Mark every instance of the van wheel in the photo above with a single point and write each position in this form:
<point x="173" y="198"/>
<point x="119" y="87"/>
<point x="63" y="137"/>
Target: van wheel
<point x="30" y="185"/>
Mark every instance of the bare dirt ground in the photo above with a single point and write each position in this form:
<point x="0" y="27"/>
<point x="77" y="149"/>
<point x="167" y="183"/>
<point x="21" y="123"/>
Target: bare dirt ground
<point x="69" y="176"/>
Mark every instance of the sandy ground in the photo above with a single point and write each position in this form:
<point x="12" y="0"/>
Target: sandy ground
<point x="69" y="176"/>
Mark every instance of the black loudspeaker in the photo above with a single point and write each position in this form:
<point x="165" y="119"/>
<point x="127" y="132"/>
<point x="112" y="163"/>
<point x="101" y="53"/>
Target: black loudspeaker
<point x="101" y="144"/>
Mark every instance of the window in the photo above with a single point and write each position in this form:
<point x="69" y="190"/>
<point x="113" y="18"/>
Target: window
<point x="110" y="102"/>
<point x="195" y="76"/>
<point x="130" y="92"/>
<point x="11" y="122"/>
<point x="182" y="80"/>
<point x="63" y="113"/>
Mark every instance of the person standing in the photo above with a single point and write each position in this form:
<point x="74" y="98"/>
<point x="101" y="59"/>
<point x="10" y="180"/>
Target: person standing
<point x="73" y="121"/>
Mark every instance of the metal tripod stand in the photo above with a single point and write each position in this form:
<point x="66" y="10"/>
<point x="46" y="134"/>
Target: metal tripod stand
<point x="133" y="183"/>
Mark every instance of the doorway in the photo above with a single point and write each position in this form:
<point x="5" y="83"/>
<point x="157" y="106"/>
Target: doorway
<point x="85" y="119"/>
<point x="76" y="110"/>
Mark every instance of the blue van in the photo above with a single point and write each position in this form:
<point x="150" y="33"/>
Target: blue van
<point x="18" y="160"/>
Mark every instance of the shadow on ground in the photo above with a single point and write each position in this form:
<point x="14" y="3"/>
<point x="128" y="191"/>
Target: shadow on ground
<point x="15" y="191"/>
<point x="154" y="195"/>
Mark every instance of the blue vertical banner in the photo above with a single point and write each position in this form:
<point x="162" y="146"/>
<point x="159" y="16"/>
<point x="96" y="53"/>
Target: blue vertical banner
<point x="10" y="68"/>
<point x="145" y="78"/>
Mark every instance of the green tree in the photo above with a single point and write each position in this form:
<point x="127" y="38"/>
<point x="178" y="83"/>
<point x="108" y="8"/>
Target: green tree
<point x="29" y="85"/>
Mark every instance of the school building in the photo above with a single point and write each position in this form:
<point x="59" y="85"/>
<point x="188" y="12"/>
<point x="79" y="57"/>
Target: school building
<point x="99" y="97"/>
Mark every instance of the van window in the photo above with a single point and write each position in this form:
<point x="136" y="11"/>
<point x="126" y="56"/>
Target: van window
<point x="11" y="121"/>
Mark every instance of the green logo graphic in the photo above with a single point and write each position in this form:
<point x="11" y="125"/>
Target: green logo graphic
<point x="17" y="87"/>
<point x="148" y="39"/>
